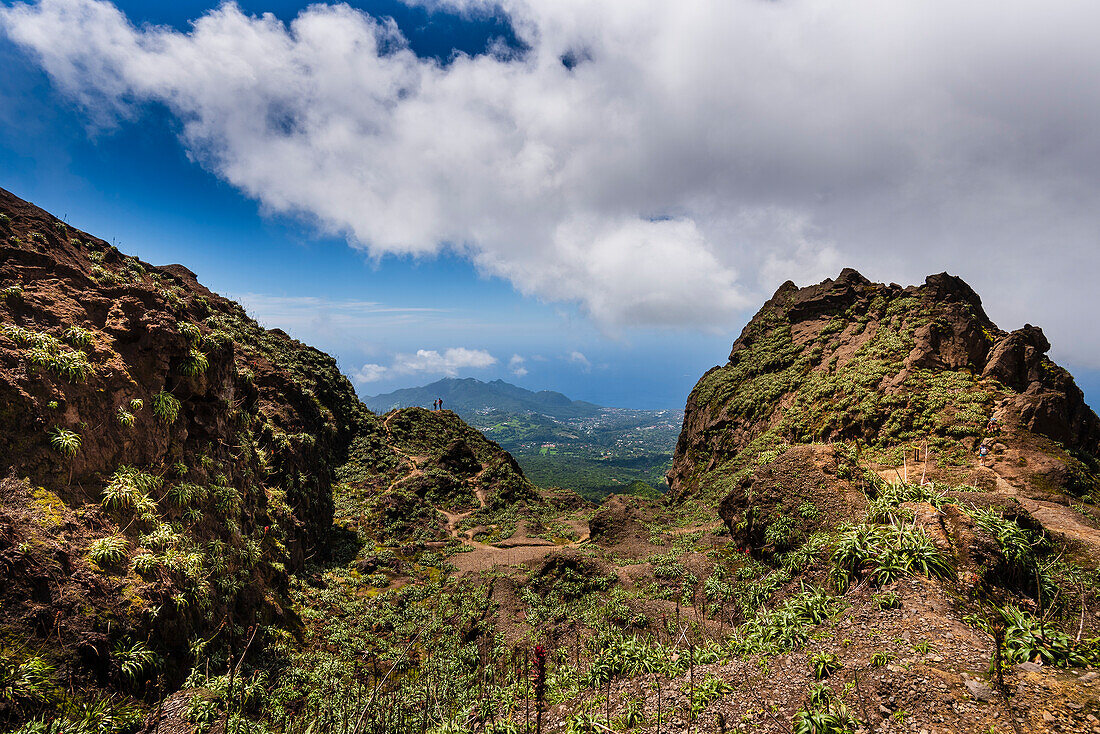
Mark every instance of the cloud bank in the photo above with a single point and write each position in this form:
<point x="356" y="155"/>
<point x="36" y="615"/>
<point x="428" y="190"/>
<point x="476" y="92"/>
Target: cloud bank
<point x="696" y="154"/>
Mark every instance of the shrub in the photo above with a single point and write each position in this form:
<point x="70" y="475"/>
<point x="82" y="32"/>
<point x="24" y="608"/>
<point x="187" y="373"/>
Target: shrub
<point x="25" y="682"/>
<point x="5" y="219"/>
<point x="38" y="237"/>
<point x="49" y="352"/>
<point x="137" y="404"/>
<point x="190" y="331"/>
<point x="135" y="661"/>
<point x="162" y="538"/>
<point x="785" y="627"/>
<point x="884" y="507"/>
<point x="1018" y="545"/>
<point x="65" y="442"/>
<point x="108" y="551"/>
<point x="125" y="417"/>
<point x="145" y="563"/>
<point x="832" y="719"/>
<point x="1026" y="638"/>
<point x="77" y="336"/>
<point x="129" y="488"/>
<point x="195" y="363"/>
<point x="12" y="293"/>
<point x="166" y="407"/>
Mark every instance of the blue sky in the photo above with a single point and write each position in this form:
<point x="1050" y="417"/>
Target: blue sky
<point x="135" y="186"/>
<point x="527" y="267"/>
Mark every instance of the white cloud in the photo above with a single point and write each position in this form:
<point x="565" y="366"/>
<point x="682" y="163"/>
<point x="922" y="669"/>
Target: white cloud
<point x="699" y="153"/>
<point x="427" y="361"/>
<point x="369" y="373"/>
<point x="449" y="363"/>
<point x="579" y="358"/>
<point x="516" y="365"/>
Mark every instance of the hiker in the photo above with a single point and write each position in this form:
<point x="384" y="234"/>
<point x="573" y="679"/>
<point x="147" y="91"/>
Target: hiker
<point x="435" y="405"/>
<point x="441" y="403"/>
<point x="983" y="451"/>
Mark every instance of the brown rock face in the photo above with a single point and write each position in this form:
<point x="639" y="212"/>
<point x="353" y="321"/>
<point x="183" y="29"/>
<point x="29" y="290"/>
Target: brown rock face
<point x="850" y="359"/>
<point x="110" y="365"/>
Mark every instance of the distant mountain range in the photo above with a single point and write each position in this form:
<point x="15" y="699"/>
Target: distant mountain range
<point x="467" y="396"/>
<point x="558" y="441"/>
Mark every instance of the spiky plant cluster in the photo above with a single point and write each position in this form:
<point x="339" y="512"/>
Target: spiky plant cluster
<point x="38" y="237"/>
<point x="195" y="363"/>
<point x="78" y="337"/>
<point x="25" y="682"/>
<point x="130" y="488"/>
<point x="885" y="553"/>
<point x="137" y="404"/>
<point x="12" y="293"/>
<point x="109" y="551"/>
<point x="165" y="407"/>
<point x="125" y="417"/>
<point x="44" y="350"/>
<point x="135" y="661"/>
<point x="65" y="442"/>
<point x="5" y="219"/>
<point x="190" y="331"/>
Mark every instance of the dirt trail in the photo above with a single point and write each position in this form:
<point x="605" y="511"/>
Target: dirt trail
<point x="516" y="549"/>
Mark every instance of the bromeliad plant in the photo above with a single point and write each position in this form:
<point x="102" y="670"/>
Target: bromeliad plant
<point x="1027" y="638"/>
<point x="65" y="442"/>
<point x="884" y="553"/>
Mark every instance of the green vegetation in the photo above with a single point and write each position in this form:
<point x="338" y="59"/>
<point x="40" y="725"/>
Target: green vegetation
<point x="195" y="363"/>
<point x="883" y="553"/>
<point x="130" y="488"/>
<point x="109" y="551"/>
<point x="1027" y="638"/>
<point x="49" y="352"/>
<point x="165" y="407"/>
<point x="65" y="442"/>
<point x="125" y="417"/>
<point x="824" y="664"/>
<point x="78" y="337"/>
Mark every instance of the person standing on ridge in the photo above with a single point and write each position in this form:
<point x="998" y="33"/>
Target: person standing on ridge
<point x="441" y="403"/>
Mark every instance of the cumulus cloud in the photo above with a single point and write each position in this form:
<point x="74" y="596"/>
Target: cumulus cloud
<point x="448" y="363"/>
<point x="427" y="361"/>
<point x="516" y="365"/>
<point x="369" y="373"/>
<point x="698" y="153"/>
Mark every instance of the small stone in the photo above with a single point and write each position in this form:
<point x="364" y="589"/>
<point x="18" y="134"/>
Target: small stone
<point x="1029" y="667"/>
<point x="980" y="691"/>
<point x="1089" y="676"/>
<point x="1047" y="717"/>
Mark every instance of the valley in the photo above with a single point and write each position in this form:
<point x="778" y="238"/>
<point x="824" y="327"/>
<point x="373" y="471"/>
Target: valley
<point x="592" y="450"/>
<point x="882" y="514"/>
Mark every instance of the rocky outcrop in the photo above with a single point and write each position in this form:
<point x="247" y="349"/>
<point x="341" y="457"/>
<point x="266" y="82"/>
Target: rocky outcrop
<point x="848" y="359"/>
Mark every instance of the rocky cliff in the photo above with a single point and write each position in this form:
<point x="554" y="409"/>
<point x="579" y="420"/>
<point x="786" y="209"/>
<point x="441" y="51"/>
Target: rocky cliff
<point x="888" y="367"/>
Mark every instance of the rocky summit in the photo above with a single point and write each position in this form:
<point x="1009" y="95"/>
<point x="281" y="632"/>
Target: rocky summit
<point x="881" y="516"/>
